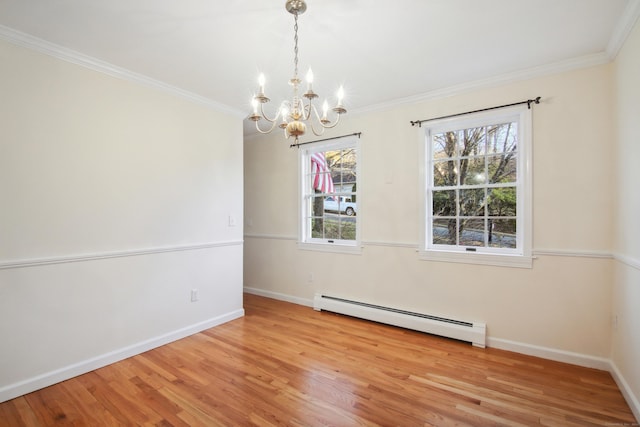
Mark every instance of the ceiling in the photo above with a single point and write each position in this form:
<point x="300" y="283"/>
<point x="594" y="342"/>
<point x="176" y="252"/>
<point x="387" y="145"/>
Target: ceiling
<point x="383" y="52"/>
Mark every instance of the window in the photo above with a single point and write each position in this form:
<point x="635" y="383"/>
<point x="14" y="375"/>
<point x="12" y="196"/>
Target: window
<point x="330" y="208"/>
<point x="477" y="201"/>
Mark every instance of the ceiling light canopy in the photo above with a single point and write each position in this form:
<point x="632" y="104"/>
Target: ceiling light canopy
<point x="293" y="115"/>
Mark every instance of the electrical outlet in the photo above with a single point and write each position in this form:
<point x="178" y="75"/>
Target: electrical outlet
<point x="232" y="221"/>
<point x="614" y="322"/>
<point x="310" y="277"/>
<point x="194" y="295"/>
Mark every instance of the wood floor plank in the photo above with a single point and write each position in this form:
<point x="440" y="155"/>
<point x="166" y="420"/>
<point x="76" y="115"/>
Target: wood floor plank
<point x="87" y="409"/>
<point x="17" y="412"/>
<point x="288" y="365"/>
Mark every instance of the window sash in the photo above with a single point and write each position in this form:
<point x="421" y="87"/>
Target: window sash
<point x="457" y="251"/>
<point x="339" y="221"/>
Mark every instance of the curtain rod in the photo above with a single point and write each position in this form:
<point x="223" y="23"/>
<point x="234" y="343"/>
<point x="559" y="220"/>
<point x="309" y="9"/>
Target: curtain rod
<point x="528" y="102"/>
<point x="326" y="139"/>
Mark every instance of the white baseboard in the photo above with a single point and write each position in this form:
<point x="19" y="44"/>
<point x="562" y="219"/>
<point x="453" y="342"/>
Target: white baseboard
<point x="551" y="353"/>
<point x="12" y="391"/>
<point x="279" y="296"/>
<point x="626" y="391"/>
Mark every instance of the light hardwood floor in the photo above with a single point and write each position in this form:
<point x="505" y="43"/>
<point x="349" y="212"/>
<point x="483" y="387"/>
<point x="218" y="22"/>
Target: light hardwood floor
<point x="284" y="364"/>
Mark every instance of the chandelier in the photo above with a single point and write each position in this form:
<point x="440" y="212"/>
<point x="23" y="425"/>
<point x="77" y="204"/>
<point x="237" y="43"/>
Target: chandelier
<point x="293" y="115"/>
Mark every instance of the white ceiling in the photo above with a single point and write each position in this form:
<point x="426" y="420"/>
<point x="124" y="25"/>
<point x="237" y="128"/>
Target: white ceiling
<point x="382" y="52"/>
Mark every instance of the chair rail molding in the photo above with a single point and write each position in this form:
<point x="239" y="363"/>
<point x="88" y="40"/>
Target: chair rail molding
<point x="32" y="262"/>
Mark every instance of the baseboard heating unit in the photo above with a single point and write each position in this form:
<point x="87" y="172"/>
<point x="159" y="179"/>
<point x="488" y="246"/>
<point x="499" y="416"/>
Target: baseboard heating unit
<point x="472" y="332"/>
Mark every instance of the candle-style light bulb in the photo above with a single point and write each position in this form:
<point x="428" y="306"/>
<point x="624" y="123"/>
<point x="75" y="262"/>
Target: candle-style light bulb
<point x="285" y="113"/>
<point x="309" y="78"/>
<point x="254" y="104"/>
<point x="261" y="81"/>
<point x="340" y="95"/>
<point x="325" y="109"/>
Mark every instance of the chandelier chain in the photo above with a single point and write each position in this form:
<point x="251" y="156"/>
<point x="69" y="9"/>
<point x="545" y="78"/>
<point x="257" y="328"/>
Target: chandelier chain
<point x="295" y="49"/>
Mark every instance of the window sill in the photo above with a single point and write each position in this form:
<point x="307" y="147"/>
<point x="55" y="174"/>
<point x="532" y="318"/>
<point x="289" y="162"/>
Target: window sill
<point x="330" y="247"/>
<point x="498" y="260"/>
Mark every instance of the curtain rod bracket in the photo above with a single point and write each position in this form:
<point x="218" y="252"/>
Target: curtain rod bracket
<point x="529" y="101"/>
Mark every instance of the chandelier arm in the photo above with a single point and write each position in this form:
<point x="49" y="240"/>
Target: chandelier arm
<point x="264" y="115"/>
<point x="273" y="125"/>
<point x="306" y="111"/>
<point x="332" y="125"/>
<point x="324" y="124"/>
<point x="315" y="132"/>
<point x="315" y="112"/>
<point x="312" y="122"/>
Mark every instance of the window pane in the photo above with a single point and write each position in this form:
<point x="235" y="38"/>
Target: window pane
<point x="472" y="202"/>
<point x="317" y="228"/>
<point x="349" y="176"/>
<point x="444" y="203"/>
<point x="444" y="231"/>
<point x="472" y="171"/>
<point x="474" y="142"/>
<point x="444" y="145"/>
<point x="334" y="163"/>
<point x="331" y="227"/>
<point x="317" y="205"/>
<point x="334" y="158"/>
<point x="471" y="232"/>
<point x="502" y="233"/>
<point x="348" y="229"/>
<point x="445" y="174"/>
<point x="322" y="182"/>
<point x="502" y="138"/>
<point x="503" y="168"/>
<point x="502" y="202"/>
<point x="348" y="166"/>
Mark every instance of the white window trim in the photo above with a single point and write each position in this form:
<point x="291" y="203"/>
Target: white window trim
<point x="353" y="247"/>
<point x="524" y="258"/>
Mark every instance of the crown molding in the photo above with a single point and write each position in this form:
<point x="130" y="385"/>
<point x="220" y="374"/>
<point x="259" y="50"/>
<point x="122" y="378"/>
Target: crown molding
<point x="72" y="56"/>
<point x="502" y="79"/>
<point x="624" y="27"/>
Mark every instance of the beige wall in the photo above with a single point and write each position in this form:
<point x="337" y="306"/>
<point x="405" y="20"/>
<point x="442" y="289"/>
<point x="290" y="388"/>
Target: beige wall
<point x="563" y="303"/>
<point x="114" y="204"/>
<point x="626" y="295"/>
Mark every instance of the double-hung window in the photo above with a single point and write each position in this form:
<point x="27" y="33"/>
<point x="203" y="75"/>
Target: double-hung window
<point x="477" y="181"/>
<point x="329" y="201"/>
